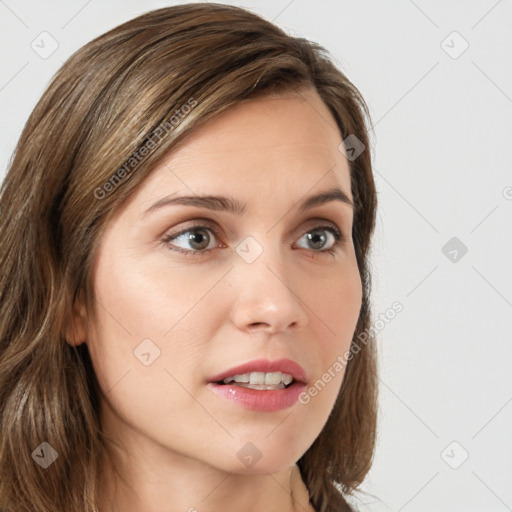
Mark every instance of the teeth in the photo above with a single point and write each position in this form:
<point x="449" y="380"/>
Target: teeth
<point x="258" y="386"/>
<point x="261" y="379"/>
<point x="287" y="379"/>
<point x="257" y="378"/>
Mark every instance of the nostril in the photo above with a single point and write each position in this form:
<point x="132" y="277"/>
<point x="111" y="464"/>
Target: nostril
<point x="256" y="325"/>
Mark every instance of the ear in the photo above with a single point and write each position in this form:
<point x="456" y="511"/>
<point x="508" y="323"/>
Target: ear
<point x="76" y="330"/>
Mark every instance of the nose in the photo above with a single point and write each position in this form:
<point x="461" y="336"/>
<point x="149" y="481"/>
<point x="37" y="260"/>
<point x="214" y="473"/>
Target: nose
<point x="267" y="295"/>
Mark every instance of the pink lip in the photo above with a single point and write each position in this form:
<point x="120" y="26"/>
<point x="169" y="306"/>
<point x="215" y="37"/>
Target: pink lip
<point x="260" y="400"/>
<point x="264" y="365"/>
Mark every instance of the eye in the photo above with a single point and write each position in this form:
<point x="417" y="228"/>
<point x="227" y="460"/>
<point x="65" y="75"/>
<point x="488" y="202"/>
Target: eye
<point x="196" y="239"/>
<point x="321" y="236"/>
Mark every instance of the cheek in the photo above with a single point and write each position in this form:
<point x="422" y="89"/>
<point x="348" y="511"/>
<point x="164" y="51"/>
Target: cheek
<point x="152" y="330"/>
<point x="337" y="303"/>
<point x="335" y="306"/>
<point x="141" y="299"/>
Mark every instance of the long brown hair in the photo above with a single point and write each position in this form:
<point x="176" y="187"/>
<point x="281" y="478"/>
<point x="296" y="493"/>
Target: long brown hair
<point x="144" y="84"/>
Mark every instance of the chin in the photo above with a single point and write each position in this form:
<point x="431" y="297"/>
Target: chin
<point x="261" y="458"/>
<point x="262" y="468"/>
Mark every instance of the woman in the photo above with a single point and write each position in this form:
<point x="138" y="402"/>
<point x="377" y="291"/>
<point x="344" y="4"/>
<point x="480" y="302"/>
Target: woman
<point x="184" y="248"/>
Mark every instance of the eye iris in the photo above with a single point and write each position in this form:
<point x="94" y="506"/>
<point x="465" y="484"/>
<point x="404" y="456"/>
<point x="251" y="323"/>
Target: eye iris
<point x="193" y="238"/>
<point x="314" y="237"/>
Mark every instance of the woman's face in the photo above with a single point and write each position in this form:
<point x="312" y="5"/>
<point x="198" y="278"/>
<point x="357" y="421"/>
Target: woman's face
<point x="186" y="292"/>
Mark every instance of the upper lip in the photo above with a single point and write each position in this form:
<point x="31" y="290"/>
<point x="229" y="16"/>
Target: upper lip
<point x="264" y="365"/>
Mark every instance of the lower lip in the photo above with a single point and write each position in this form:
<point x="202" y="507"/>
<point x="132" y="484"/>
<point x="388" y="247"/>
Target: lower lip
<point x="260" y="400"/>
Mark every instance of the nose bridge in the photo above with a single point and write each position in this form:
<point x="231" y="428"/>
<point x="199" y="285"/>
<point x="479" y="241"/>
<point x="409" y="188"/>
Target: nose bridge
<point x="265" y="294"/>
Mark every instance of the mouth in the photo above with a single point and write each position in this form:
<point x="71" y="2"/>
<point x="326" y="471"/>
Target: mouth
<point x="259" y="380"/>
<point x="280" y="392"/>
<point x="262" y="374"/>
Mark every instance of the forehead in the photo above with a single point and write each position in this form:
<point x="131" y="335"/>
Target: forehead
<point x="281" y="120"/>
<point x="260" y="148"/>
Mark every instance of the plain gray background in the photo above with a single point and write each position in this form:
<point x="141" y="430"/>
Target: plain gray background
<point x="443" y="124"/>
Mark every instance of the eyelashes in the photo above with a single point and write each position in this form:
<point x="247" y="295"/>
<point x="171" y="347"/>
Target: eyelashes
<point x="197" y="228"/>
<point x="311" y="235"/>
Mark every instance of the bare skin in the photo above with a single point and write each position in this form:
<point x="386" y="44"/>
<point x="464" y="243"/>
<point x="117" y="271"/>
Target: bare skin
<point x="211" y="310"/>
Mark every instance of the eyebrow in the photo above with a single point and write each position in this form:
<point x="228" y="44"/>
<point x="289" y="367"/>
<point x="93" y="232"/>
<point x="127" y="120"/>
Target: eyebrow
<point x="232" y="205"/>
